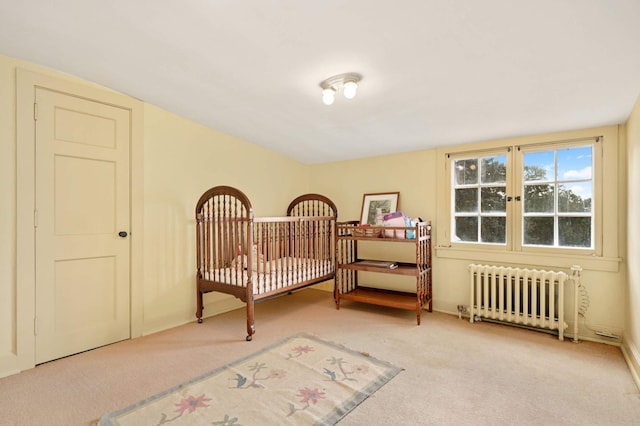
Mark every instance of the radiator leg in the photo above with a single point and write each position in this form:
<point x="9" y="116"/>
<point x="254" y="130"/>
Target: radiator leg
<point x="575" y="274"/>
<point x="561" y="310"/>
<point x="471" y="295"/>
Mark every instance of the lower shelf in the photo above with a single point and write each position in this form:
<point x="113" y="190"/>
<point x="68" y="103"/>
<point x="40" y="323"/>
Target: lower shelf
<point x="382" y="297"/>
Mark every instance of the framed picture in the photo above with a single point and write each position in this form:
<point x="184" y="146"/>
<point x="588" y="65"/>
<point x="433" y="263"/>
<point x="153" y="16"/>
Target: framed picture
<point x="375" y="204"/>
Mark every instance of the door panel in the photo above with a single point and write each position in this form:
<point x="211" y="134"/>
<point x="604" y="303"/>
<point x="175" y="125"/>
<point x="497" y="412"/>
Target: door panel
<point x="87" y="129"/>
<point x="82" y="202"/>
<point x="83" y="209"/>
<point x="97" y="301"/>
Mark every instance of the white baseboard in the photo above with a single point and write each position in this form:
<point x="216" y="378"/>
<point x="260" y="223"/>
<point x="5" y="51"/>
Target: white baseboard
<point x="215" y="304"/>
<point x="324" y="286"/>
<point x="632" y="357"/>
<point x="220" y="306"/>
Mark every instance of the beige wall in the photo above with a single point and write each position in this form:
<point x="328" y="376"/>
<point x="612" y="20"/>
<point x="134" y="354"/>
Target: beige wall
<point x="420" y="178"/>
<point x="411" y="174"/>
<point x="7" y="215"/>
<point x="632" y="295"/>
<point x="181" y="160"/>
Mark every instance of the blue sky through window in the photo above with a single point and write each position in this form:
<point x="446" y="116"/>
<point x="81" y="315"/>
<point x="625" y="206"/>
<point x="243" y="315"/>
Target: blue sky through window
<point x="574" y="164"/>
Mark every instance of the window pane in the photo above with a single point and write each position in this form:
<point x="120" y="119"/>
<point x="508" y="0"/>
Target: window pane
<point x="466" y="200"/>
<point x="539" y="166"/>
<point x="466" y="171"/>
<point x="494" y="169"/>
<point x="538" y="198"/>
<point x="493" y="229"/>
<point x="493" y="199"/>
<point x="574" y="231"/>
<point x="575" y="163"/>
<point x="575" y="197"/>
<point x="467" y="229"/>
<point x="538" y="231"/>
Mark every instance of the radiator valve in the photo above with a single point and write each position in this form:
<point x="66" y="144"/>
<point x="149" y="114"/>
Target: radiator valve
<point x="575" y="273"/>
<point x="461" y="310"/>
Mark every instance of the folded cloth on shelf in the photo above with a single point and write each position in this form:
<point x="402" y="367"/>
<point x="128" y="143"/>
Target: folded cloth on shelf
<point x="394" y="219"/>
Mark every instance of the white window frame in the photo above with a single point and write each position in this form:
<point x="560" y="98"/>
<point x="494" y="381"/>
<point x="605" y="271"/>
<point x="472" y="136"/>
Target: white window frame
<point x="596" y="207"/>
<point x="514" y="209"/>
<point x="503" y="151"/>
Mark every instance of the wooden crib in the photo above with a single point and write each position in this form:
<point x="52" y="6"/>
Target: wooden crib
<point x="254" y="258"/>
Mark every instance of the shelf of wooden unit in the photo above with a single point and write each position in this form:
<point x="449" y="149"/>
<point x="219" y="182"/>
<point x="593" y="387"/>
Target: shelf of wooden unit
<point x="383" y="297"/>
<point x="347" y="286"/>
<point x="378" y="239"/>
<point x="402" y="268"/>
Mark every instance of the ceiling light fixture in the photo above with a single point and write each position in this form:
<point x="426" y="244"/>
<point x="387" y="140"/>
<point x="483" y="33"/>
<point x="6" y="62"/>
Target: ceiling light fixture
<point x="328" y="95"/>
<point x="347" y="82"/>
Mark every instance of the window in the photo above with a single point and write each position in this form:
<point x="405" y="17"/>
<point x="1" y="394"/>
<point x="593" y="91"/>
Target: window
<point x="480" y="199"/>
<point x="538" y="196"/>
<point x="557" y="191"/>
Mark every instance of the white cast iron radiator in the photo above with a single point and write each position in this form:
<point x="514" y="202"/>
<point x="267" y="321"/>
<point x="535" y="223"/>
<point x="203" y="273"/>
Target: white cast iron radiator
<point x="528" y="297"/>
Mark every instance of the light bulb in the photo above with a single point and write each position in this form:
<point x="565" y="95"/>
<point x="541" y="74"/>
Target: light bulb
<point x="328" y="96"/>
<point x="350" y="89"/>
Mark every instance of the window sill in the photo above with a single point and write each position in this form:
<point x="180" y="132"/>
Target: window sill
<point x="539" y="260"/>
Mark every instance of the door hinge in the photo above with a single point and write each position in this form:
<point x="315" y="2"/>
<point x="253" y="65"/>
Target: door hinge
<point x="35" y="326"/>
<point x="35" y="112"/>
<point x="35" y="218"/>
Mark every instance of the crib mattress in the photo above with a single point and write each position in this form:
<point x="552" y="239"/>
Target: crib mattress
<point x="280" y="275"/>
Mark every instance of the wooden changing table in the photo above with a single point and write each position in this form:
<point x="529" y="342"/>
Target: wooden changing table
<point x="349" y="264"/>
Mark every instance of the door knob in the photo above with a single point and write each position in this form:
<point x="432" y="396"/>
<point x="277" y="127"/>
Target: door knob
<point x="122" y="234"/>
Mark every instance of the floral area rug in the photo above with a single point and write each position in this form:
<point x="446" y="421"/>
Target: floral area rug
<point x="302" y="380"/>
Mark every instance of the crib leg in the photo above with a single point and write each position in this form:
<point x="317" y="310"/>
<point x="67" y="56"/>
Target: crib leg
<point x="251" y="329"/>
<point x="199" y="307"/>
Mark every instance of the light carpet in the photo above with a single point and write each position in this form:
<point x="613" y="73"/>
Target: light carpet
<point x="301" y="380"/>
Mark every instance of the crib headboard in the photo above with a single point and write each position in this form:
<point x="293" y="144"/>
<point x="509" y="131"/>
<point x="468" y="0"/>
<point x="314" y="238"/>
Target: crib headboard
<point x="226" y="195"/>
<point x="312" y="205"/>
<point x="224" y="226"/>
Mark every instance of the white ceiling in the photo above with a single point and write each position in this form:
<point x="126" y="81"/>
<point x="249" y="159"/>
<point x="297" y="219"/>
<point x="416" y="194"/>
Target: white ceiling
<point x="435" y="72"/>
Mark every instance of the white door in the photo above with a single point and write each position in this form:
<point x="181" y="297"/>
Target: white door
<point x="82" y="205"/>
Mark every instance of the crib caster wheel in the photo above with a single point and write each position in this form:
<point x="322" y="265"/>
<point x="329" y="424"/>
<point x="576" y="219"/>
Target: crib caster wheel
<point x="249" y="338"/>
<point x="199" y="320"/>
